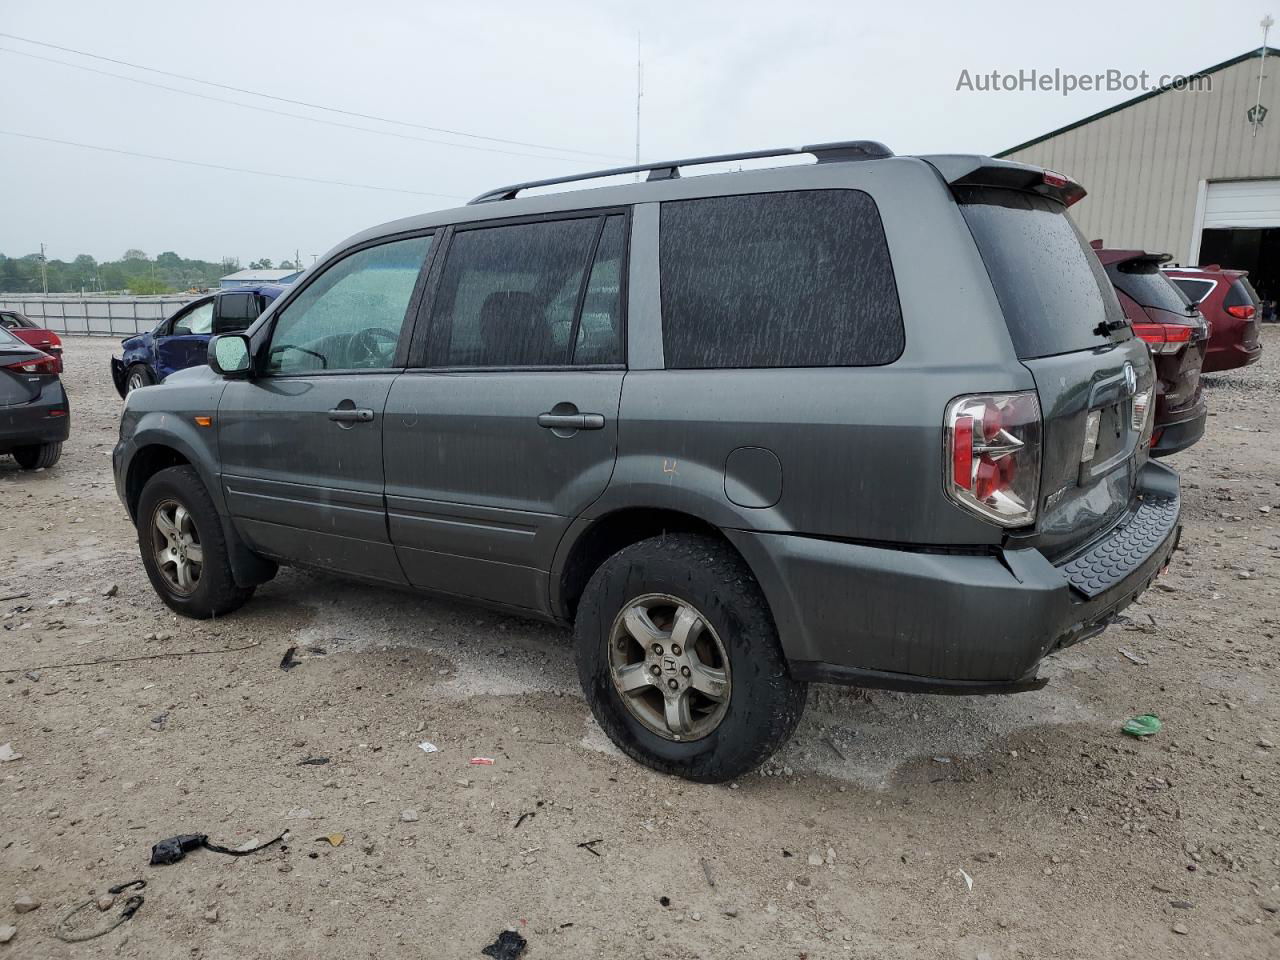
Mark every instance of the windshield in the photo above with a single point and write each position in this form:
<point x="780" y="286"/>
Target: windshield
<point x="1142" y="280"/>
<point x="1052" y="290"/>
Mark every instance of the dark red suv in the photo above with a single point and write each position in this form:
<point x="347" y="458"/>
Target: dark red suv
<point x="1175" y="333"/>
<point x="1230" y="305"/>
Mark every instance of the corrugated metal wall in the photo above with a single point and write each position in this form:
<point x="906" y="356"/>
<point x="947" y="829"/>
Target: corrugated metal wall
<point x="1143" y="165"/>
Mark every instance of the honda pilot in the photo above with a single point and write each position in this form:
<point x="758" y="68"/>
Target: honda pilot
<point x="871" y="420"/>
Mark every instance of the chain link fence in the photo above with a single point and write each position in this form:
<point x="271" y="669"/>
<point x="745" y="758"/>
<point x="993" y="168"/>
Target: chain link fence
<point x="95" y="316"/>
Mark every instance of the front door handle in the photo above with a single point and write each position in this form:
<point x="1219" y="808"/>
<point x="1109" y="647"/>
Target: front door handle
<point x="351" y="414"/>
<point x="571" y="421"/>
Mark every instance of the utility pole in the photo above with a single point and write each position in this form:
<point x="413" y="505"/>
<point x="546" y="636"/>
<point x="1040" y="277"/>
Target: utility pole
<point x="1266" y="24"/>
<point x="639" y="94"/>
<point x="44" y="270"/>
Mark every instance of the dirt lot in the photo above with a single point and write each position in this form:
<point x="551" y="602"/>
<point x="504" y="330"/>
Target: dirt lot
<point x="859" y="840"/>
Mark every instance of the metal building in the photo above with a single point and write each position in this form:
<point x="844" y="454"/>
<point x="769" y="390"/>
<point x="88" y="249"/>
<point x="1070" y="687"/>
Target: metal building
<point x="245" y="278"/>
<point x="1194" y="172"/>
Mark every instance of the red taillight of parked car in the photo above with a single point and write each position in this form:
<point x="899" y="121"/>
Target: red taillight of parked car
<point x="38" y="365"/>
<point x="1243" y="313"/>
<point x="1164" y="337"/>
<point x="993" y="455"/>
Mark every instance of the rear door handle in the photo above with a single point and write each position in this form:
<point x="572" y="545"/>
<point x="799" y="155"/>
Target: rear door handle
<point x="351" y="414"/>
<point x="571" y="421"/>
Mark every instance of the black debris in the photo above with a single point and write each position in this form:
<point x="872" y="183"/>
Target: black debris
<point x="175" y="848"/>
<point x="508" y="946"/>
<point x="287" y="662"/>
<point x="590" y="846"/>
<point x="313" y="761"/>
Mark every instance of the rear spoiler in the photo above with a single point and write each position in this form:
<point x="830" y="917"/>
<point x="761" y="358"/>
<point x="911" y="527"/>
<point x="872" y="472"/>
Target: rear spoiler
<point x="968" y="170"/>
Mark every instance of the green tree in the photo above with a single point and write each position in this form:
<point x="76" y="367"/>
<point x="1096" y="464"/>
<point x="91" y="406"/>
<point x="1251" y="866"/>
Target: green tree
<point x="263" y="264"/>
<point x="133" y="253"/>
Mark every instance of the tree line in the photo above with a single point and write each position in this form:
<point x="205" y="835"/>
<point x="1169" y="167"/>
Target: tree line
<point x="134" y="273"/>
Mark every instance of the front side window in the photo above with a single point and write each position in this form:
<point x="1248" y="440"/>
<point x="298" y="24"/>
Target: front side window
<point x="195" y="322"/>
<point x="512" y="295"/>
<point x="350" y="316"/>
<point x="796" y="279"/>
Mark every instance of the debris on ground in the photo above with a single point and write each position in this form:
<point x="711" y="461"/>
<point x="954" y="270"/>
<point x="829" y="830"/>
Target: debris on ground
<point x="1143" y="725"/>
<point x="175" y="848"/>
<point x="333" y="839"/>
<point x="481" y="761"/>
<point x="508" y="946"/>
<point x="313" y="761"/>
<point x="522" y="818"/>
<point x="131" y="906"/>
<point x="590" y="846"/>
<point x="409" y="816"/>
<point x="968" y="880"/>
<point x="111" y="589"/>
<point x="1133" y="657"/>
<point x="426" y="746"/>
<point x="7" y="753"/>
<point x="296" y="654"/>
<point x="706" y="871"/>
<point x="25" y="904"/>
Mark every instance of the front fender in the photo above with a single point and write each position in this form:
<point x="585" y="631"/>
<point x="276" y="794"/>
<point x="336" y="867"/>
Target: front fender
<point x="197" y="445"/>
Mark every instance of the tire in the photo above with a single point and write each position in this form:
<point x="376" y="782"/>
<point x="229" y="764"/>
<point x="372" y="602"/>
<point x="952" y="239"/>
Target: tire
<point x="138" y="375"/>
<point x="38" y="457"/>
<point x="211" y="591"/>
<point x="763" y="704"/>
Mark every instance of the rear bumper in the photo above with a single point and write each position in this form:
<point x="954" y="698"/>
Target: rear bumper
<point x="1230" y="356"/>
<point x="1174" y="433"/>
<point x="33" y="424"/>
<point x="955" y="623"/>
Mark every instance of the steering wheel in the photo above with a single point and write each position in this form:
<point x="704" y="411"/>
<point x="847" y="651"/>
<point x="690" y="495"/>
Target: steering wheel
<point x="367" y="345"/>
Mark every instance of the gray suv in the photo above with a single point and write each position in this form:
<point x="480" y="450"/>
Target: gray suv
<point x="873" y="420"/>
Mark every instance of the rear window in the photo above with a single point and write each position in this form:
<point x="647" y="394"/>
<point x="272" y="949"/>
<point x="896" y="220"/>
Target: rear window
<point x="1147" y="285"/>
<point x="1052" y="289"/>
<point x="795" y="279"/>
<point x="1240" y="294"/>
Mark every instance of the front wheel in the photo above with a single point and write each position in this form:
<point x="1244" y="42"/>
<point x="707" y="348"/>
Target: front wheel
<point x="680" y="660"/>
<point x="183" y="546"/>
<point x="139" y="375"/>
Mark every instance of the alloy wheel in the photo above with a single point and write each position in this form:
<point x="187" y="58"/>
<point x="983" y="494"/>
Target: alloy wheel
<point x="176" y="542"/>
<point x="670" y="667"/>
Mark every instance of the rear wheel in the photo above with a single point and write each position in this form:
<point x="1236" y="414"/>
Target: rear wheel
<point x="680" y="661"/>
<point x="39" y="456"/>
<point x="139" y="375"/>
<point x="183" y="547"/>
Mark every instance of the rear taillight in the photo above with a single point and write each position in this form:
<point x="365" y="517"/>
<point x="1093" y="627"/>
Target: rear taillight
<point x="39" y="365"/>
<point x="1164" y="337"/>
<point x="1142" y="407"/>
<point x="993" y="455"/>
<point x="1242" y="313"/>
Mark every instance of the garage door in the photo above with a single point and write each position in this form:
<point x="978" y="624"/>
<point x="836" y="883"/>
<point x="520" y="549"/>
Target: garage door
<point x="1242" y="204"/>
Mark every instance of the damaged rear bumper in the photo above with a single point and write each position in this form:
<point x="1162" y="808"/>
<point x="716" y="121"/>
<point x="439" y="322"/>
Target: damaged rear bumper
<point x="956" y="622"/>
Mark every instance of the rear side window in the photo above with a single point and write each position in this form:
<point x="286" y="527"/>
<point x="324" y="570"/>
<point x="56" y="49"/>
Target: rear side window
<point x="1052" y="289"/>
<point x="1194" y="290"/>
<point x="1147" y="285"/>
<point x="514" y="295"/>
<point x="797" y="279"/>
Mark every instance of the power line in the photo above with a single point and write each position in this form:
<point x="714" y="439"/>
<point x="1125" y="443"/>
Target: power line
<point x="218" y="166"/>
<point x="285" y="113"/>
<point x="304" y="103"/>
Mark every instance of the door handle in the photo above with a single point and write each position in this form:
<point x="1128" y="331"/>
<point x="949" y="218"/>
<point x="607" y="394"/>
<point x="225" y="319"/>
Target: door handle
<point x="571" y="421"/>
<point x="351" y="414"/>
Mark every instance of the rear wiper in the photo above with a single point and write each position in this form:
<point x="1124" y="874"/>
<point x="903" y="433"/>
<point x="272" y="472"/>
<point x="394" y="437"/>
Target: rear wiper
<point x="1108" y="327"/>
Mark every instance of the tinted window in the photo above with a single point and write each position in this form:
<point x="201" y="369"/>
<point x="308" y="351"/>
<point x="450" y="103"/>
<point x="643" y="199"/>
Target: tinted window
<point x="349" y="317"/>
<point x="15" y="320"/>
<point x="508" y="295"/>
<point x="1052" y="289"/>
<point x="797" y="279"/>
<point x="599" y="337"/>
<point x="1147" y="285"/>
<point x="1194" y="290"/>
<point x="1240" y="294"/>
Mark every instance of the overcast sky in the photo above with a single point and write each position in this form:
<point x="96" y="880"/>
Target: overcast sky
<point x="718" y="77"/>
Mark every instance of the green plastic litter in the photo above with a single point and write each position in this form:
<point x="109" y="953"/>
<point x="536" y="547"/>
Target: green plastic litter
<point x="1143" y="725"/>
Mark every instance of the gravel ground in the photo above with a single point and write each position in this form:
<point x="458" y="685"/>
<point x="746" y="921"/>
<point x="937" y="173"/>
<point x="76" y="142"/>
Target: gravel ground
<point x="891" y="827"/>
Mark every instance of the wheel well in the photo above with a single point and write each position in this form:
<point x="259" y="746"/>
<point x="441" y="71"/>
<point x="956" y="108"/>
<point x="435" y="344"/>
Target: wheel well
<point x="612" y="533"/>
<point x="146" y="463"/>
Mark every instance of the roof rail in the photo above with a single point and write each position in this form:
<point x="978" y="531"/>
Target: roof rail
<point x="670" y="169"/>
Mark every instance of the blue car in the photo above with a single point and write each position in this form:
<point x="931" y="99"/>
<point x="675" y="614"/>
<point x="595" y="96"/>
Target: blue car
<point x="182" y="340"/>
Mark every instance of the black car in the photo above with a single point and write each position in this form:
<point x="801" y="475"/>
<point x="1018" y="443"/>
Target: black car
<point x="35" y="417"/>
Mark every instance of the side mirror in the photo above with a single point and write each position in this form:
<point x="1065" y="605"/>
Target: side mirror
<point x="230" y="356"/>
